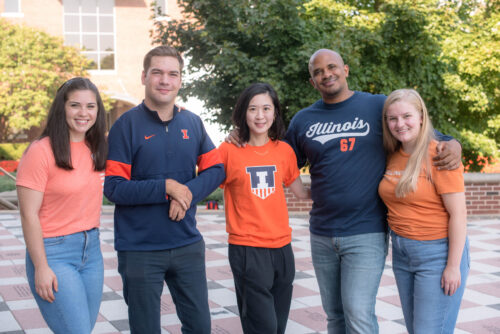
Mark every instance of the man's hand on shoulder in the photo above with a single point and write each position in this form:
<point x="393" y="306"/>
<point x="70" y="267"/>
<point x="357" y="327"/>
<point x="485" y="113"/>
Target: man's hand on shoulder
<point x="179" y="192"/>
<point x="234" y="138"/>
<point x="448" y="155"/>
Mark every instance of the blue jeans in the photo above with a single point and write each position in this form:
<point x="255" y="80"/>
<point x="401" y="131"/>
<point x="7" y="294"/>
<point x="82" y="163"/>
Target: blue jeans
<point x="418" y="267"/>
<point x="183" y="269"/>
<point x="348" y="270"/>
<point x="76" y="260"/>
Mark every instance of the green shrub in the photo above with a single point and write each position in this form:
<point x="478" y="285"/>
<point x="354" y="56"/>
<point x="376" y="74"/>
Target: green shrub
<point x="12" y="151"/>
<point x="216" y="195"/>
<point x="6" y="183"/>
<point x="106" y="201"/>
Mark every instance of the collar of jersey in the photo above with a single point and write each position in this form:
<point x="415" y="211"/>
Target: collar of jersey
<point x="154" y="113"/>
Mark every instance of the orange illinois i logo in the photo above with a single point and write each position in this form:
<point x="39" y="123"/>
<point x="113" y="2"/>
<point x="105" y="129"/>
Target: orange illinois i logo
<point x="184" y="134"/>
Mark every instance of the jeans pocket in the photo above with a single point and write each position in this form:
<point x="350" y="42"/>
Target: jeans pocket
<point x="53" y="241"/>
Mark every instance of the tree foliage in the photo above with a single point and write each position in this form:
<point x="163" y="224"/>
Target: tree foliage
<point x="447" y="50"/>
<point x="33" y="65"/>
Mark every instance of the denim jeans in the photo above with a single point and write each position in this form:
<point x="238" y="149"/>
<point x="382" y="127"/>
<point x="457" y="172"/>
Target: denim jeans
<point x="418" y="267"/>
<point x="76" y="260"/>
<point x="348" y="270"/>
<point x="183" y="269"/>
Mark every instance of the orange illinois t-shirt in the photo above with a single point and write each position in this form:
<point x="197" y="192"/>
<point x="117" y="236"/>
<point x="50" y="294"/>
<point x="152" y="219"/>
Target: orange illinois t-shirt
<point x="420" y="215"/>
<point x="72" y="199"/>
<point x="254" y="199"/>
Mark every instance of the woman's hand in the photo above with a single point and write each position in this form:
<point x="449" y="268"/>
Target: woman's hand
<point x="30" y="202"/>
<point x="46" y="283"/>
<point x="457" y="231"/>
<point x="451" y="279"/>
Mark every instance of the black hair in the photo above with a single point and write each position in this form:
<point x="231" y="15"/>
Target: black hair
<point x="58" y="131"/>
<point x="239" y="117"/>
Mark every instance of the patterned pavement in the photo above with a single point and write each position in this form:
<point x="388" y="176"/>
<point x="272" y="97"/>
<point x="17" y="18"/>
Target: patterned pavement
<point x="480" y="312"/>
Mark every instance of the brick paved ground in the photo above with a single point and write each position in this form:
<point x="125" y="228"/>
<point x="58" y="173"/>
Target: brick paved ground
<point x="480" y="311"/>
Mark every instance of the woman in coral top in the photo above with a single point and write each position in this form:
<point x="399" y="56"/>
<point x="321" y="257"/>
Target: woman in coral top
<point x="260" y="251"/>
<point x="427" y="217"/>
<point x="59" y="186"/>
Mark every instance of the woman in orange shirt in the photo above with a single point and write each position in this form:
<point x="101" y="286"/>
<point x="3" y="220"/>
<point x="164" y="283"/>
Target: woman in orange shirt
<point x="59" y="186"/>
<point x="260" y="251"/>
<point x="427" y="217"/>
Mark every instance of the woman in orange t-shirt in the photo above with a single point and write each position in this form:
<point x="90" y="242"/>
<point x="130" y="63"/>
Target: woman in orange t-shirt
<point x="59" y="186"/>
<point x="427" y="217"/>
<point x="260" y="251"/>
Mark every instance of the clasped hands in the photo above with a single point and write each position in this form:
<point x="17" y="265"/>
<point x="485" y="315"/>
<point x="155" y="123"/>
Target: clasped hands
<point x="180" y="199"/>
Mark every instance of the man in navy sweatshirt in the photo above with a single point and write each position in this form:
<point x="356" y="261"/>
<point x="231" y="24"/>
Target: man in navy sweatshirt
<point x="161" y="163"/>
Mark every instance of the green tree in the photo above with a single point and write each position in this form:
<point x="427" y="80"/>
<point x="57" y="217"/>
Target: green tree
<point x="234" y="43"/>
<point x="33" y="65"/>
<point x="471" y="43"/>
<point x="447" y="50"/>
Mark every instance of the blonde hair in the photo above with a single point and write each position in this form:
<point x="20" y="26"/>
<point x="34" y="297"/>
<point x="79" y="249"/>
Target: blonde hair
<point x="419" y="157"/>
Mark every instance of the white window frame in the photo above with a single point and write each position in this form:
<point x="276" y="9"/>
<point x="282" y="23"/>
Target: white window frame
<point x="81" y="33"/>
<point x="19" y="13"/>
<point x="164" y="6"/>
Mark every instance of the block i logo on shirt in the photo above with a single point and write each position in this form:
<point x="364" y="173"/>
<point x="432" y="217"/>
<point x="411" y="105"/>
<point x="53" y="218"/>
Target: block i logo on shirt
<point x="262" y="180"/>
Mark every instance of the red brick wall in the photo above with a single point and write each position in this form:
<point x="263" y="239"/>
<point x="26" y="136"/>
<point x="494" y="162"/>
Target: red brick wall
<point x="295" y="204"/>
<point x="482" y="192"/>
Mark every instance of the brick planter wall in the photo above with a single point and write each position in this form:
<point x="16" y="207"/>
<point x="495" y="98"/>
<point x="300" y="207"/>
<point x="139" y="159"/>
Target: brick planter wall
<point x="482" y="192"/>
<point x="297" y="205"/>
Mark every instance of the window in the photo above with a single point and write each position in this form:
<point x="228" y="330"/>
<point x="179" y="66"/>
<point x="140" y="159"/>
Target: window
<point x="89" y="24"/>
<point x="12" y="8"/>
<point x="161" y="9"/>
<point x="161" y="5"/>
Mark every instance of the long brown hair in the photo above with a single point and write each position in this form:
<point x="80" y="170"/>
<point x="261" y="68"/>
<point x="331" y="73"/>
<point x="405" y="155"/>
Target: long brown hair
<point x="58" y="132"/>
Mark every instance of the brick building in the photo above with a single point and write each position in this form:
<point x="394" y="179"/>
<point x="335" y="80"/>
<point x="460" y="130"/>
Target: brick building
<point x="114" y="34"/>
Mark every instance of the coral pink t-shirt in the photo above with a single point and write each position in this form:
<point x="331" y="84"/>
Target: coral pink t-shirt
<point x="72" y="199"/>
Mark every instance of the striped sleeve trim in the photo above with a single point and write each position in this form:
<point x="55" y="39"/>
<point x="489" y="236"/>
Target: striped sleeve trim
<point x="116" y="168"/>
<point x="209" y="159"/>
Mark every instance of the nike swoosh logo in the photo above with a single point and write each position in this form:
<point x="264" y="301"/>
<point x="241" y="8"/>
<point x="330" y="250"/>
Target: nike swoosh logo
<point x="148" y="137"/>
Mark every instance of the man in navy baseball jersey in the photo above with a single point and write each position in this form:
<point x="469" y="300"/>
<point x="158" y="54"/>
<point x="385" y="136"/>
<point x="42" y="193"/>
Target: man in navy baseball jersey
<point x="161" y="163"/>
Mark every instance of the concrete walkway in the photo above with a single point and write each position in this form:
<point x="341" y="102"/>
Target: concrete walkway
<point x="480" y="311"/>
